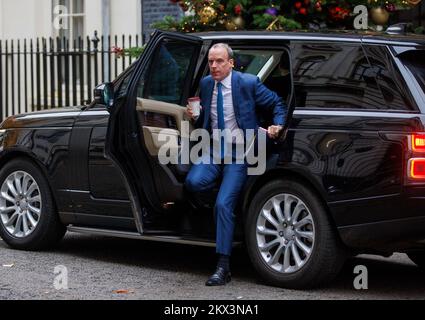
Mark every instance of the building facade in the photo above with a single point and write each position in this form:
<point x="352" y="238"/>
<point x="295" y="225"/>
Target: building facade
<point x="80" y="18"/>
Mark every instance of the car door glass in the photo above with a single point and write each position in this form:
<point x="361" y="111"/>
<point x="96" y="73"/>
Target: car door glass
<point x="260" y="63"/>
<point x="414" y="60"/>
<point x="122" y="82"/>
<point x="251" y="61"/>
<point x="271" y="66"/>
<point x="166" y="76"/>
<point x="388" y="78"/>
<point x="335" y="75"/>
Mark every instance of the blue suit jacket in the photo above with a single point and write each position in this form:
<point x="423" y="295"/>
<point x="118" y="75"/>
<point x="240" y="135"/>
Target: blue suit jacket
<point x="248" y="94"/>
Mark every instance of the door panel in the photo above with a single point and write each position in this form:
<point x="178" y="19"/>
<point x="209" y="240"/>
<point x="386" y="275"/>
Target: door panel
<point x="151" y="136"/>
<point x="105" y="179"/>
<point x="168" y="122"/>
<point x="164" y="108"/>
<point x="164" y="74"/>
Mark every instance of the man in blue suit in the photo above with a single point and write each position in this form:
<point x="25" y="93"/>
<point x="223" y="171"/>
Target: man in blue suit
<point x="229" y="101"/>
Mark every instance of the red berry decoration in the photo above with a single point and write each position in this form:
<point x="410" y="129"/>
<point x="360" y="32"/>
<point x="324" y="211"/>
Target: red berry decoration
<point x="338" y="13"/>
<point x="390" y="7"/>
<point x="306" y="2"/>
<point x="238" y="9"/>
<point x="298" y="5"/>
<point x="303" y="11"/>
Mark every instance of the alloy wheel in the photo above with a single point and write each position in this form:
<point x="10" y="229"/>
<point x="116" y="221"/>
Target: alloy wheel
<point x="285" y="233"/>
<point x="20" y="204"/>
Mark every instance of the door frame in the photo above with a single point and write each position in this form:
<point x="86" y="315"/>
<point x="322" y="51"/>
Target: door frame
<point x="124" y="144"/>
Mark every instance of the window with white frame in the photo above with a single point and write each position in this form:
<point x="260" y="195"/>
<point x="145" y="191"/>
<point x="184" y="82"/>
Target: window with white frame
<point x="71" y="18"/>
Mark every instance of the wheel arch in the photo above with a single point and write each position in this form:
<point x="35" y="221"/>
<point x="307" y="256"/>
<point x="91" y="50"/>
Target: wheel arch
<point x="21" y="154"/>
<point x="50" y="230"/>
<point x="282" y="174"/>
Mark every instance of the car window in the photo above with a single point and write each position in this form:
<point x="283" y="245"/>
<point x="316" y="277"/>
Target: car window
<point x="271" y="66"/>
<point x="166" y="76"/>
<point x="257" y="62"/>
<point x="414" y="60"/>
<point x="122" y="81"/>
<point x="388" y="78"/>
<point x="337" y="76"/>
<point x="252" y="61"/>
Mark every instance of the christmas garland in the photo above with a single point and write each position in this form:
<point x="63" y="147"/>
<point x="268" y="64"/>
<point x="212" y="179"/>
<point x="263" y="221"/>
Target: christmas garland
<point x="206" y="15"/>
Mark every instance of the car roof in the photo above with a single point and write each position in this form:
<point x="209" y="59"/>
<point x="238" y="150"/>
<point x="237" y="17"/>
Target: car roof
<point x="350" y="36"/>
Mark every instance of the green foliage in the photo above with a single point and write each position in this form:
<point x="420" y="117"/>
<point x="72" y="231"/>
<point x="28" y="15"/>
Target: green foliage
<point x="168" y="23"/>
<point x="420" y="30"/>
<point x="272" y="14"/>
<point x="134" y="52"/>
<point x="266" y="21"/>
<point x="231" y="4"/>
<point x="382" y="3"/>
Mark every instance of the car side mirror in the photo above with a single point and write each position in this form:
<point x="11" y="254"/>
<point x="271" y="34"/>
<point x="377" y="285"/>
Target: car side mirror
<point x="104" y="94"/>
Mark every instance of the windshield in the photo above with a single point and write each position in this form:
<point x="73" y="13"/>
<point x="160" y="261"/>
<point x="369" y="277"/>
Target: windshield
<point x="414" y="60"/>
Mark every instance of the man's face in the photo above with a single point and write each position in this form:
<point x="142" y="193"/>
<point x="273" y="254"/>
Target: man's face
<point x="219" y="63"/>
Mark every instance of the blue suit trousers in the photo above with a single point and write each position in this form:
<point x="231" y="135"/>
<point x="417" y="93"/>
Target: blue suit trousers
<point x="203" y="177"/>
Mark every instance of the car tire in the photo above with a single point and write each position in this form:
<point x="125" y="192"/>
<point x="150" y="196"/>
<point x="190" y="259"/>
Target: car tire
<point x="323" y="254"/>
<point x="25" y="196"/>
<point x="418" y="258"/>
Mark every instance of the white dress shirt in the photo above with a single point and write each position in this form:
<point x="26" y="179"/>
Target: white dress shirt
<point x="229" y="112"/>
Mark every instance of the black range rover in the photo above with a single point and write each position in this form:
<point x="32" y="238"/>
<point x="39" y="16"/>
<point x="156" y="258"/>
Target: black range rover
<point x="347" y="176"/>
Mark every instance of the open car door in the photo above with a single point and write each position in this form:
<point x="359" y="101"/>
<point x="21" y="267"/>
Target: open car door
<point x="153" y="103"/>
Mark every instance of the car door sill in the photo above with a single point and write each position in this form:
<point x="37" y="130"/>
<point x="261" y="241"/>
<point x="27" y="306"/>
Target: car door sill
<point x="137" y="236"/>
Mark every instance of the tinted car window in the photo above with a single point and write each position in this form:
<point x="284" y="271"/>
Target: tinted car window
<point x="388" y="78"/>
<point x="271" y="66"/>
<point x="414" y="60"/>
<point x="252" y="61"/>
<point x="123" y="80"/>
<point x="167" y="74"/>
<point x="335" y="75"/>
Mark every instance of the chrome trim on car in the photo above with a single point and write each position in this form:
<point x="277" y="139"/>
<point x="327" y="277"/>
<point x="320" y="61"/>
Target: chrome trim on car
<point x="344" y="113"/>
<point x="137" y="236"/>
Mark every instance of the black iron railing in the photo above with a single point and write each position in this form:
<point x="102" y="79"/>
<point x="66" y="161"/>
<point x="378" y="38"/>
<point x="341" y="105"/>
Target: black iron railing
<point x="42" y="73"/>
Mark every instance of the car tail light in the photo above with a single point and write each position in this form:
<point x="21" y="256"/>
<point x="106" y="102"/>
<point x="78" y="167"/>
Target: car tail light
<point x="416" y="168"/>
<point x="418" y="142"/>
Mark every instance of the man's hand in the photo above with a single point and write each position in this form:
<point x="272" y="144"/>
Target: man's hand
<point x="274" y="131"/>
<point x="189" y="113"/>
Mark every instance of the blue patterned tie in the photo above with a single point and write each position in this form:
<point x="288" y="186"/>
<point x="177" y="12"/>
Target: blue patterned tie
<point x="220" y="114"/>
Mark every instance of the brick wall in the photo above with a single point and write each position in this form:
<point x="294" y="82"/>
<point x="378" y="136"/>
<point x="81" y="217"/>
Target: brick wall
<point x="154" y="10"/>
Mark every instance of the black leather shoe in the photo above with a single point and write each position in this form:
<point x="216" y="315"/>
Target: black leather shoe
<point x="219" y="278"/>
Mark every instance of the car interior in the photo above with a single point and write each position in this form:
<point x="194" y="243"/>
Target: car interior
<point x="158" y="113"/>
